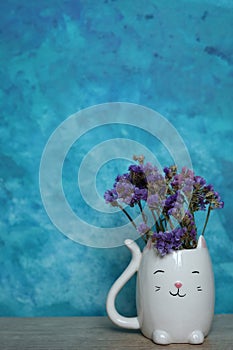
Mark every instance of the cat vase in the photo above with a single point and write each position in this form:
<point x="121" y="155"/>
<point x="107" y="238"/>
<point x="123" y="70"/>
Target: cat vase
<point x="174" y="294"/>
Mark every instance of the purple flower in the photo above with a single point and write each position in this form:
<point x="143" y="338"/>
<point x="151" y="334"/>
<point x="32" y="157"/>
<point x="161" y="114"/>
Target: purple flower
<point x="148" y="169"/>
<point x="111" y="196"/>
<point x="213" y="198"/>
<point x="170" y="172"/>
<point x="151" y="172"/>
<point x="188" y="187"/>
<point x="136" y="168"/>
<point x="174" y="203"/>
<point x="175" y="212"/>
<point x="184" y="181"/>
<point x="123" y="177"/>
<point x="154" y="178"/>
<point x="170" y="201"/>
<point x="137" y="176"/>
<point x="199" y="181"/>
<point x="204" y="195"/>
<point x="143" y="228"/>
<point x="167" y="241"/>
<point x="153" y="201"/>
<point x="125" y="191"/>
<point x="189" y="227"/>
<point x="140" y="194"/>
<point x="167" y="171"/>
<point x="129" y="193"/>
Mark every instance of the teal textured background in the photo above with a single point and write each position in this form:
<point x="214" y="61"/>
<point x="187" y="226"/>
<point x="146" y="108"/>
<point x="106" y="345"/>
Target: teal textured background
<point x="58" y="57"/>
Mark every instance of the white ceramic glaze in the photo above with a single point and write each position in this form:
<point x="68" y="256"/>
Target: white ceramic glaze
<point x="175" y="294"/>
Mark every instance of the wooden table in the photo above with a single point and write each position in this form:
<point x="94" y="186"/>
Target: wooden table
<point x="88" y="333"/>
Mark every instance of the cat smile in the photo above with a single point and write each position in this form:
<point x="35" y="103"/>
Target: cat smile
<point x="177" y="294"/>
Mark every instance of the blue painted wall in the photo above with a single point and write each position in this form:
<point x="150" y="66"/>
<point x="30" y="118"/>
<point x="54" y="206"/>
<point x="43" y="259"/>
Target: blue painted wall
<point x="58" y="57"/>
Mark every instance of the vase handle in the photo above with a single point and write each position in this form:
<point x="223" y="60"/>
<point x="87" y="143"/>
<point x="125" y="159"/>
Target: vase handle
<point x="125" y="322"/>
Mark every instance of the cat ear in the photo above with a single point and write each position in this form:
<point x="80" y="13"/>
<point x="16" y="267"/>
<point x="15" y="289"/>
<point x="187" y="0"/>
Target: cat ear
<point x="201" y="242"/>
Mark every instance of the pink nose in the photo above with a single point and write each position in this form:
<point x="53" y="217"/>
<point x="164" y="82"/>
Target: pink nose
<point x="178" y="285"/>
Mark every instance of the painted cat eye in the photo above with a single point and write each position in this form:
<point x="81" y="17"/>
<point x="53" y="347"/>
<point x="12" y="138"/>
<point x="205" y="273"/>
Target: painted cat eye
<point x="195" y="271"/>
<point x="158" y="271"/>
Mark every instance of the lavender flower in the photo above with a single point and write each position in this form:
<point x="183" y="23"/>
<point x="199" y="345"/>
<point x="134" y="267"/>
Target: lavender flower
<point x="174" y="204"/>
<point x="172" y="198"/>
<point x="140" y="194"/>
<point x="143" y="228"/>
<point x="125" y="191"/>
<point x="111" y="196"/>
<point x="153" y="201"/>
<point x="137" y="176"/>
<point x="124" y="177"/>
<point x="136" y="169"/>
<point x="190" y="230"/>
<point x="199" y="182"/>
<point x="148" y="169"/>
<point x="167" y="241"/>
<point x="204" y="195"/>
<point x="170" y="172"/>
<point x="213" y="198"/>
<point x="184" y="182"/>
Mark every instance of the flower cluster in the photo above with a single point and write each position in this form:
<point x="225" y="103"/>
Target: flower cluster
<point x="167" y="241"/>
<point x="171" y="199"/>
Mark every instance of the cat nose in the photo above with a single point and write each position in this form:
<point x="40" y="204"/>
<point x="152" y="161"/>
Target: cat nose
<point x="178" y="285"/>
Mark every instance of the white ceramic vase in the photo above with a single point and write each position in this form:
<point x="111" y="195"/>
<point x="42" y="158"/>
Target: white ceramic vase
<point x="174" y="295"/>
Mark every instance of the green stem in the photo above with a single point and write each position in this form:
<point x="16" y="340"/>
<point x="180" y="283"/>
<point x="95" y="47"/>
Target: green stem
<point x="155" y="220"/>
<point x="206" y="220"/>
<point x="144" y="239"/>
<point x="142" y="212"/>
<point x="167" y="221"/>
<point x="170" y="223"/>
<point x="160" y="221"/>
<point x="128" y="216"/>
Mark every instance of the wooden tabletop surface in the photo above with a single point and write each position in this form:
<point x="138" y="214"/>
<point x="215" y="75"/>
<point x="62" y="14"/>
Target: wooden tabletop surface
<point x="88" y="333"/>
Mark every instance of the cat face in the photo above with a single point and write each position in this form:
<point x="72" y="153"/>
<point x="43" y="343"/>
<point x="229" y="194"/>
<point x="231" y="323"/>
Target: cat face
<point x="178" y="277"/>
<point x="177" y="288"/>
<point x="182" y="274"/>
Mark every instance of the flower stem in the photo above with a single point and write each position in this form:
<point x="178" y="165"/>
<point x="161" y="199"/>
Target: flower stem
<point x="206" y="220"/>
<point x="170" y="223"/>
<point x="155" y="220"/>
<point x="142" y="212"/>
<point x="128" y="216"/>
<point x="159" y="221"/>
